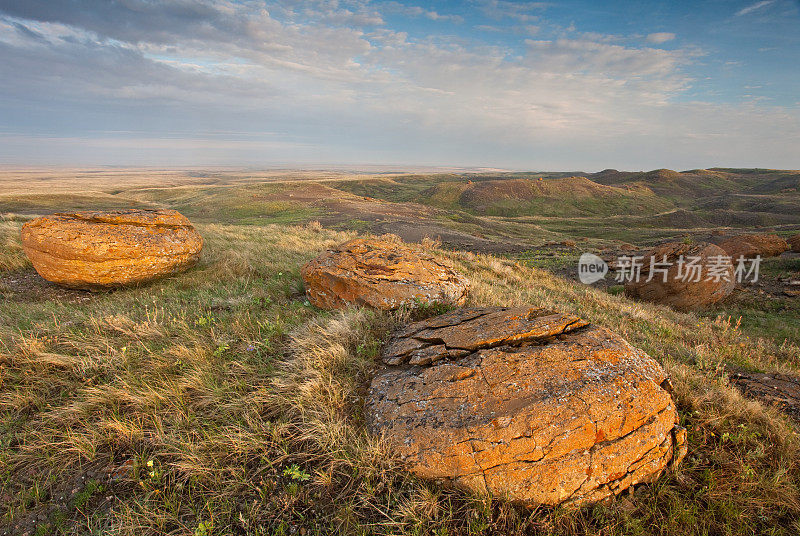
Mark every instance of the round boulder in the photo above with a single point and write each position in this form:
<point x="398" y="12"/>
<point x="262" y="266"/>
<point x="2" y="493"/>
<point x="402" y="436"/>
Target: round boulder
<point x="531" y="405"/>
<point x="750" y="246"/>
<point x="93" y="250"/>
<point x="794" y="242"/>
<point x="380" y="274"/>
<point x="683" y="276"/>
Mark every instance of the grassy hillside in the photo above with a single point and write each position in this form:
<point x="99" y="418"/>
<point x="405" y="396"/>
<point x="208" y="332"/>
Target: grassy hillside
<point x="220" y="402"/>
<point x="569" y="196"/>
<point x="673" y="184"/>
<point x="764" y="181"/>
<point x="723" y="193"/>
<point x="510" y="197"/>
<point x="639" y="207"/>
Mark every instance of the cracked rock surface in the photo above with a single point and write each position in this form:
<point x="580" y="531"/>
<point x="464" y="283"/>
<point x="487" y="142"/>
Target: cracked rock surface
<point x="532" y="405"/>
<point x="380" y="274"/>
<point x="107" y="249"/>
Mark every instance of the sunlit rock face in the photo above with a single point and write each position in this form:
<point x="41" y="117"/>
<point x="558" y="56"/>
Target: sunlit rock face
<point x="531" y="405"/>
<point x="94" y="250"/>
<point x="380" y="274"/>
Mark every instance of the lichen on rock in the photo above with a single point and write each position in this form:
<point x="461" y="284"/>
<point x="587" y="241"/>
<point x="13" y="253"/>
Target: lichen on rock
<point x="107" y="249"/>
<point x="380" y="274"/>
<point x="533" y="405"/>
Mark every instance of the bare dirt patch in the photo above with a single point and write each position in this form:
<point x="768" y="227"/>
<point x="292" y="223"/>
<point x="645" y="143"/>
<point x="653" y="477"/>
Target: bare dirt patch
<point x="28" y="286"/>
<point x="95" y="489"/>
<point x="779" y="390"/>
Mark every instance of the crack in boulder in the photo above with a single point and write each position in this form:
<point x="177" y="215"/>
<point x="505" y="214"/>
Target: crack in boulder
<point x="475" y="329"/>
<point x="543" y="407"/>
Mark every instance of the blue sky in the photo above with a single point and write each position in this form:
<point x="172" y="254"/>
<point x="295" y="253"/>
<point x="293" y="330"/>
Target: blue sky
<point x="486" y="83"/>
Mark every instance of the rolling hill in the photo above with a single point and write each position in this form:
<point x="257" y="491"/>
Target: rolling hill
<point x="515" y="196"/>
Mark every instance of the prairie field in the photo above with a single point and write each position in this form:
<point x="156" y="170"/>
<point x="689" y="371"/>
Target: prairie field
<point x="220" y="401"/>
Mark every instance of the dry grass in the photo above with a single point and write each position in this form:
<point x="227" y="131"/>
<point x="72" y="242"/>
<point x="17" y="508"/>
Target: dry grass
<point x="222" y="403"/>
<point x="11" y="254"/>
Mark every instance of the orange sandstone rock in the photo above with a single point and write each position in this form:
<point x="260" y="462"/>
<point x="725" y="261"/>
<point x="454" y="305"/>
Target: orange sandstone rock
<point x="794" y="242"/>
<point x="544" y="409"/>
<point x="107" y="249"/>
<point x="682" y="290"/>
<point x="752" y="245"/>
<point x="380" y="274"/>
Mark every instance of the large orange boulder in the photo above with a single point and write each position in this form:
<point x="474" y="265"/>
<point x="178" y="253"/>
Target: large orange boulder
<point x="794" y="242"/>
<point x="684" y="276"/>
<point x="532" y="405"/>
<point x="750" y="246"/>
<point x="108" y="249"/>
<point x="380" y="274"/>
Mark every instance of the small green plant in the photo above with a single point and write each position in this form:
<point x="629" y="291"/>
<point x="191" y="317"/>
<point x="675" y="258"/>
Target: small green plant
<point x="616" y="290"/>
<point x="205" y="320"/>
<point x="262" y="301"/>
<point x="203" y="529"/>
<point x="368" y="348"/>
<point x="154" y="471"/>
<point x="428" y="309"/>
<point x="92" y="487"/>
<point x="296" y="473"/>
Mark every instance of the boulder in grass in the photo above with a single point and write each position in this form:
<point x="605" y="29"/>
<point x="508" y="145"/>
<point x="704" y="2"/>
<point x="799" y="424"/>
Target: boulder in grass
<point x="381" y="274"/>
<point x="683" y="287"/>
<point x="93" y="250"/>
<point x="794" y="242"/>
<point x="532" y="405"/>
<point x="750" y="246"/>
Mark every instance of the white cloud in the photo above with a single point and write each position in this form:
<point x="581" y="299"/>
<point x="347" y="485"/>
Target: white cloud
<point x="416" y="11"/>
<point x="341" y="85"/>
<point x="754" y="7"/>
<point x="519" y="11"/>
<point x="660" y="37"/>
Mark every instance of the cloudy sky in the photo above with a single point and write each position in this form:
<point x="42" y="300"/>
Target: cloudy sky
<point x="561" y="85"/>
